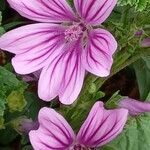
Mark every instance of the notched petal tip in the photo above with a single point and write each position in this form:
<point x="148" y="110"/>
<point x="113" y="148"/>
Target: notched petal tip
<point x="54" y="131"/>
<point x="101" y="126"/>
<point x="97" y="56"/>
<point x="94" y="12"/>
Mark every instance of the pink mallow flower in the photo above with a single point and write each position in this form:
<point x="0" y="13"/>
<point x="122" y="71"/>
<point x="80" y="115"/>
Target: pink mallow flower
<point x="100" y="127"/>
<point x="134" y="107"/>
<point x="63" y="45"/>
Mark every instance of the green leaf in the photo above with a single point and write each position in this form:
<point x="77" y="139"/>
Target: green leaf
<point x="2" y="126"/>
<point x="113" y="101"/>
<point x="16" y="101"/>
<point x="143" y="78"/>
<point x="107" y="147"/>
<point x="7" y="136"/>
<point x="140" y="5"/>
<point x="0" y="17"/>
<point x="135" y="136"/>
<point x="11" y="94"/>
<point x="2" y="107"/>
<point x="33" y="105"/>
<point x="28" y="147"/>
<point x="2" y="5"/>
<point x="11" y="80"/>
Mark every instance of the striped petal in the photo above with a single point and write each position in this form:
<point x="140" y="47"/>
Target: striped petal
<point x="94" y="12"/>
<point x="64" y="76"/>
<point x="97" y="55"/>
<point x="54" y="132"/>
<point x="101" y="126"/>
<point x="43" y="10"/>
<point x="34" y="45"/>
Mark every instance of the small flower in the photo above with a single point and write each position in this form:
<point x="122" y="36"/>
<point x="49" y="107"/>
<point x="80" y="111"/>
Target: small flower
<point x="139" y="33"/>
<point x="27" y="125"/>
<point x="64" y="45"/>
<point x="146" y="42"/>
<point x="100" y="127"/>
<point x="134" y="107"/>
<point x="31" y="77"/>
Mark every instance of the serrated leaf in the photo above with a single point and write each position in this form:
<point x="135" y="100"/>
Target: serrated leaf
<point x="135" y="136"/>
<point x="140" y="5"/>
<point x="16" y="101"/>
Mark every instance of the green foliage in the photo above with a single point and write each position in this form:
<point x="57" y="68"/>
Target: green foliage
<point x="16" y="101"/>
<point x="2" y="5"/>
<point x="135" y="136"/>
<point x="140" y="5"/>
<point x="11" y="92"/>
<point x="143" y="76"/>
<point x="1" y="28"/>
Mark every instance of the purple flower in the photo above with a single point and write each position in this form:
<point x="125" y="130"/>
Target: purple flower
<point x="146" y="42"/>
<point x="63" y="45"/>
<point x="100" y="127"/>
<point x="26" y="125"/>
<point x="135" y="107"/>
<point x="31" y="77"/>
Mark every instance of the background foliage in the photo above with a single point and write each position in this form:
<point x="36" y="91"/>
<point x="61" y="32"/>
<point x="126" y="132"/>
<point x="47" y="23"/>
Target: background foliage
<point x="19" y="101"/>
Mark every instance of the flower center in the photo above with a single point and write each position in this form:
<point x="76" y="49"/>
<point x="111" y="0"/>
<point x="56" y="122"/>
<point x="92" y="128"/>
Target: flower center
<point x="79" y="147"/>
<point x="73" y="33"/>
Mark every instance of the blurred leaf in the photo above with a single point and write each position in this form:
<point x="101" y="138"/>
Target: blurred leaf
<point x="2" y="31"/>
<point x="16" y="101"/>
<point x="2" y="107"/>
<point x="70" y="2"/>
<point x="28" y="147"/>
<point x="2" y="126"/>
<point x="107" y="147"/>
<point x="2" y="5"/>
<point x="0" y="17"/>
<point x="33" y="105"/>
<point x="12" y="25"/>
<point x="11" y="81"/>
<point x="147" y="61"/>
<point x="7" y="135"/>
<point x="143" y="78"/>
<point x="148" y="97"/>
<point x="113" y="101"/>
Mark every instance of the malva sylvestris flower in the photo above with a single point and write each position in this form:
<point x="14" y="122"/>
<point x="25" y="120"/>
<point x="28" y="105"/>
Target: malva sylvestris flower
<point x="100" y="127"/>
<point x="134" y="107"/>
<point x="64" y="45"/>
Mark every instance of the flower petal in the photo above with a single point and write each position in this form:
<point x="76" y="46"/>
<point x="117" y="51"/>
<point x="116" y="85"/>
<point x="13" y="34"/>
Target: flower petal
<point x="101" y="126"/>
<point x="97" y="56"/>
<point x="54" y="132"/>
<point x="145" y="42"/>
<point x="134" y="107"/>
<point x="64" y="76"/>
<point x="34" y="45"/>
<point x="94" y="12"/>
<point x="44" y="10"/>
